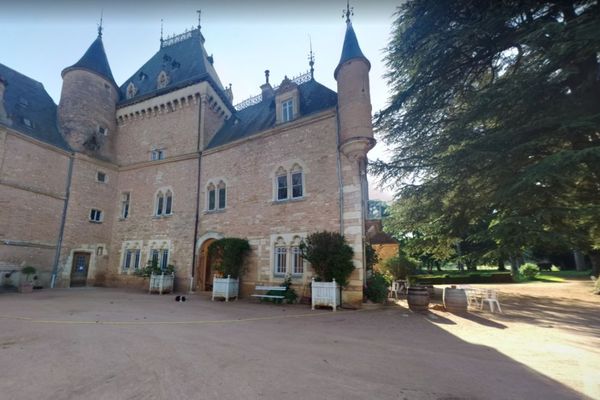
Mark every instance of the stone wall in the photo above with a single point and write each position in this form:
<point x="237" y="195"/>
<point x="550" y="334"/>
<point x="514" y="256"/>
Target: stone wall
<point x="33" y="179"/>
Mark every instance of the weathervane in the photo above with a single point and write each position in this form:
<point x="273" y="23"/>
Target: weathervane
<point x="100" y="24"/>
<point x="348" y="11"/>
<point x="199" y="17"/>
<point x="311" y="59"/>
<point x="161" y="33"/>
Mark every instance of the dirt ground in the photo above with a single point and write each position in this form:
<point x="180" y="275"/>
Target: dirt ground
<point x="93" y="343"/>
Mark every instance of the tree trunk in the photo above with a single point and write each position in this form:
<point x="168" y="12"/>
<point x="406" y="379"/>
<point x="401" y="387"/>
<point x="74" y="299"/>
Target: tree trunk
<point x="515" y="264"/>
<point x="501" y="266"/>
<point x="595" y="258"/>
<point x="579" y="260"/>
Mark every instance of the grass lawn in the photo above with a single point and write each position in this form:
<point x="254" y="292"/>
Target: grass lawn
<point x="560" y="276"/>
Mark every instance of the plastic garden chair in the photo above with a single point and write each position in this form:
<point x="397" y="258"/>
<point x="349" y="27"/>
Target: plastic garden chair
<point x="490" y="297"/>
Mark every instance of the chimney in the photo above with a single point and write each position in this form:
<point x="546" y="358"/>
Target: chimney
<point x="267" y="90"/>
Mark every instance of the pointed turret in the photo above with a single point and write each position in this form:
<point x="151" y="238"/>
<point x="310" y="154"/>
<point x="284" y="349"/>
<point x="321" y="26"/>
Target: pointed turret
<point x="354" y="99"/>
<point x="94" y="60"/>
<point x="86" y="112"/>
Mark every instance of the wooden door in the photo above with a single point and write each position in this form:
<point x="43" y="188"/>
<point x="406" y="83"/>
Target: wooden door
<point x="79" y="269"/>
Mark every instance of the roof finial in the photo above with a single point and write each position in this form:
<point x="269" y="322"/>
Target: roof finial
<point x="267" y="72"/>
<point x="161" y="33"/>
<point x="348" y="12"/>
<point x="199" y="18"/>
<point x="311" y="59"/>
<point x="100" y="24"/>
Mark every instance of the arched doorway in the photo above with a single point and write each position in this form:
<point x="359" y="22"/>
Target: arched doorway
<point x="205" y="270"/>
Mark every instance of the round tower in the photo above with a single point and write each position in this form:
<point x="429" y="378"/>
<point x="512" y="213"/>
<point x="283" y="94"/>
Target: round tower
<point x="86" y="112"/>
<point x="354" y="99"/>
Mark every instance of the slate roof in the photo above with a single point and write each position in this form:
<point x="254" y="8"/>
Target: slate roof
<point x="313" y="97"/>
<point x="185" y="61"/>
<point x="94" y="60"/>
<point x="25" y="98"/>
<point x="351" y="49"/>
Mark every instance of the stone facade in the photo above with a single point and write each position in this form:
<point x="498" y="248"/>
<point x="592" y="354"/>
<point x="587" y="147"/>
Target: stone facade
<point x="134" y="147"/>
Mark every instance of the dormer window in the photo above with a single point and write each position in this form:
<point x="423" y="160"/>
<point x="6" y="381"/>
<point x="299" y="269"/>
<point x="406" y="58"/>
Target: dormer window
<point x="102" y="130"/>
<point x="27" y="122"/>
<point x="131" y="90"/>
<point x="287" y="109"/>
<point x="162" y="80"/>
<point x="142" y="76"/>
<point x="23" y="102"/>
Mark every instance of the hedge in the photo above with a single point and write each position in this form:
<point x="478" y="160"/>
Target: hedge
<point x="500" y="277"/>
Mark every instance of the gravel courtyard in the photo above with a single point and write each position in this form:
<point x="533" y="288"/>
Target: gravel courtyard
<point x="94" y="343"/>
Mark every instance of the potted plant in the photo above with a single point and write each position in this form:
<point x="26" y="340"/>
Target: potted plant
<point x="161" y="280"/>
<point x="228" y="255"/>
<point x="26" y="286"/>
<point x="331" y="259"/>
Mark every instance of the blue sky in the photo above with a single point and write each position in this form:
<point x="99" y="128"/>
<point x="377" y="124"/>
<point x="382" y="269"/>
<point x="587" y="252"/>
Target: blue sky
<point x="41" y="38"/>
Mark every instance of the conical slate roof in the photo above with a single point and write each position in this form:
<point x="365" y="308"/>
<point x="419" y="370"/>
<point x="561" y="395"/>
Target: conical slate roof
<point x="351" y="49"/>
<point x="95" y="60"/>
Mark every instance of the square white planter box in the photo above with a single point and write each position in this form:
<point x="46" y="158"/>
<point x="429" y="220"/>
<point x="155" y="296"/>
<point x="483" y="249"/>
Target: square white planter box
<point x="325" y="294"/>
<point x="225" y="287"/>
<point x="162" y="283"/>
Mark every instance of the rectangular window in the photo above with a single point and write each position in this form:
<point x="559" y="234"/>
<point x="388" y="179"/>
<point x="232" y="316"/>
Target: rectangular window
<point x="211" y="199"/>
<point x="125" y="205"/>
<point x="280" y="260"/>
<point x="101" y="177"/>
<point x="164" y="259"/>
<point x="297" y="185"/>
<point x="95" y="215"/>
<point x="287" y="108"/>
<point x="157" y="155"/>
<point x="154" y="259"/>
<point x="282" y="187"/>
<point x="221" y="198"/>
<point x="297" y="261"/>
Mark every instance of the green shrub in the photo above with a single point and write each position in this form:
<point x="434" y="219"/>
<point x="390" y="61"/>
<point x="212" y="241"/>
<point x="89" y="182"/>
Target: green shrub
<point x="153" y="268"/>
<point x="228" y="256"/>
<point x="529" y="271"/>
<point x="28" y="270"/>
<point x="497" y="277"/>
<point x="329" y="255"/>
<point x="377" y="287"/>
<point x="400" y="266"/>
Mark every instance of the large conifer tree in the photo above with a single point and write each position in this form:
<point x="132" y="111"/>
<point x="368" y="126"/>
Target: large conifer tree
<point x="494" y="122"/>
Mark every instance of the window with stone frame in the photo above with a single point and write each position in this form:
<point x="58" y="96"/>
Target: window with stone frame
<point x="95" y="215"/>
<point x="280" y="257"/>
<point x="289" y="185"/>
<point x="164" y="203"/>
<point x="131" y="260"/>
<point x="287" y="257"/>
<point x="222" y="195"/>
<point x="297" y="178"/>
<point x="281" y="179"/>
<point x="211" y="194"/>
<point x="157" y="154"/>
<point x="160" y="257"/>
<point x="125" y="198"/>
<point x="287" y="109"/>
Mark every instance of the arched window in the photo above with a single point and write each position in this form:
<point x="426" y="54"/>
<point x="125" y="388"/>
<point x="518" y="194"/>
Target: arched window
<point x="297" y="179"/>
<point x="211" y="197"/>
<point x="281" y="184"/>
<point x="297" y="262"/>
<point x="280" y="257"/>
<point x="131" y="90"/>
<point x="168" y="203"/>
<point x="162" y="80"/>
<point x="160" y="201"/>
<point x="222" y="191"/>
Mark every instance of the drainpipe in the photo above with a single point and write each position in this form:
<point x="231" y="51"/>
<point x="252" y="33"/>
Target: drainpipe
<point x="62" y="223"/>
<point x="339" y="169"/>
<point x="197" y="217"/>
